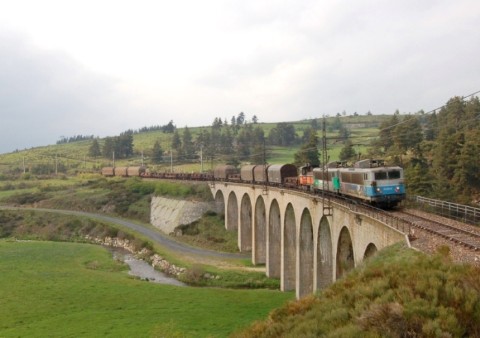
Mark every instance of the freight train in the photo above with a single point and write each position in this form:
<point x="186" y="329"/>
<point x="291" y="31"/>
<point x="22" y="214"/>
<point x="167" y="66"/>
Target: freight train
<point x="367" y="180"/>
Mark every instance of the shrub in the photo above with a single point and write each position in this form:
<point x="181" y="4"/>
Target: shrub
<point x="194" y="274"/>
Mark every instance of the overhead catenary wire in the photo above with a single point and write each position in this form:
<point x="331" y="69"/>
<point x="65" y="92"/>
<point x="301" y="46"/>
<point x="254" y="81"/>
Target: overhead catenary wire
<point x="429" y="112"/>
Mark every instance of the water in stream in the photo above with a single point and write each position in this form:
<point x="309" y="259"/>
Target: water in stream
<point x="144" y="270"/>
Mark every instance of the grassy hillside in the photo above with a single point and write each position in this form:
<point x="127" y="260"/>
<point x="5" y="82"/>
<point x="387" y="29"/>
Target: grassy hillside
<point x="74" y="156"/>
<point x="51" y="289"/>
<point x="399" y="293"/>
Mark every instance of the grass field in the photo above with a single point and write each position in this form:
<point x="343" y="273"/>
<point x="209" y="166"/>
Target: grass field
<point x="52" y="289"/>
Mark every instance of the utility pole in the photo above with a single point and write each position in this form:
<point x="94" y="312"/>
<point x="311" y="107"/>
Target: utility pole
<point x="264" y="154"/>
<point x="265" y="173"/>
<point x="327" y="206"/>
<point x="113" y="158"/>
<point x="171" y="160"/>
<point x="201" y="158"/>
<point x="24" y="170"/>
<point x="56" y="165"/>
<point x="142" y="158"/>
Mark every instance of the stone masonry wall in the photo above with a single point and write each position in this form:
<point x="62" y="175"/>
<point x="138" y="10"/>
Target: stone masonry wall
<point x="166" y="213"/>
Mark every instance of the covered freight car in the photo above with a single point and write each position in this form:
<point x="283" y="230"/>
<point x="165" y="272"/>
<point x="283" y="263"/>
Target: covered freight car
<point x="254" y="173"/>
<point x="222" y="172"/>
<point x="277" y="173"/>
<point x="135" y="171"/>
<point x="121" y="171"/>
<point x="260" y="173"/>
<point x="246" y="173"/>
<point x="108" y="171"/>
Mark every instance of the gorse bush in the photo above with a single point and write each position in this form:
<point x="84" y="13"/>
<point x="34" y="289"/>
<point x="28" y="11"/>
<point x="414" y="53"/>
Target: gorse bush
<point x="399" y="293"/>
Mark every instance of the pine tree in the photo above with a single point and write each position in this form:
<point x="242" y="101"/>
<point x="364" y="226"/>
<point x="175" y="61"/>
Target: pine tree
<point x="408" y="135"/>
<point x="108" y="147"/>
<point x="258" y="145"/>
<point x="157" y="153"/>
<point x="418" y="179"/>
<point x="188" y="149"/>
<point x="347" y="153"/>
<point x="94" y="150"/>
<point x="124" y="145"/>
<point x="176" y="143"/>
<point x="386" y="132"/>
<point x="308" y="153"/>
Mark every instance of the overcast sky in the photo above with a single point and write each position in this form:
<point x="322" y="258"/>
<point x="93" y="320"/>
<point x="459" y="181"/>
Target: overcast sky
<point x="100" y="67"/>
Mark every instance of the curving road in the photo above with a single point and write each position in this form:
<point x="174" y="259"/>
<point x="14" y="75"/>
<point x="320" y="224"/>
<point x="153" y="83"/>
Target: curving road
<point x="153" y="235"/>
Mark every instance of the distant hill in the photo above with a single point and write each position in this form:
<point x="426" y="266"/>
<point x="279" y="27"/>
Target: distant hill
<point x="73" y="155"/>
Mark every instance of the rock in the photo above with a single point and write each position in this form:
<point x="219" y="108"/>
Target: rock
<point x="167" y="214"/>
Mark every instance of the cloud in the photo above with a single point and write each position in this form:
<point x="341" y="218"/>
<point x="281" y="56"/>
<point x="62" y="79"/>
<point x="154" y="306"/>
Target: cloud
<point x="45" y="95"/>
<point x="191" y="62"/>
<point x="316" y="58"/>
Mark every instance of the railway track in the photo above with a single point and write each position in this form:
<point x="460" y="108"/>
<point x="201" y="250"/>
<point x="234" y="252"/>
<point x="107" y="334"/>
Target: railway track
<point x="459" y="234"/>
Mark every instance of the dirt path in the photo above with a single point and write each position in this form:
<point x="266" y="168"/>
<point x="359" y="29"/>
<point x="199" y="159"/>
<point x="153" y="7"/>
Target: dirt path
<point x="192" y="254"/>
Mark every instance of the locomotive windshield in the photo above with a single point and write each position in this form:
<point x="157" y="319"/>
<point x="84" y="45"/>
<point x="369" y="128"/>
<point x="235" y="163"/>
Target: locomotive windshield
<point x="394" y="174"/>
<point x="380" y="175"/>
<point x="383" y="175"/>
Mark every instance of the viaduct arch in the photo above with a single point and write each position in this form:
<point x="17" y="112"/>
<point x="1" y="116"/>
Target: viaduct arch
<point x="287" y="231"/>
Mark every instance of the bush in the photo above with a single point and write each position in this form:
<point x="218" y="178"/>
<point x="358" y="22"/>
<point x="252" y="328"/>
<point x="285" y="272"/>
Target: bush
<point x="27" y="198"/>
<point x="398" y="293"/>
<point x="194" y="275"/>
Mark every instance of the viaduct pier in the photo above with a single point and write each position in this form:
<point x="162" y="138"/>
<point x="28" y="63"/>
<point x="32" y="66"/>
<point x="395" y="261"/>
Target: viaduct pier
<point x="306" y="241"/>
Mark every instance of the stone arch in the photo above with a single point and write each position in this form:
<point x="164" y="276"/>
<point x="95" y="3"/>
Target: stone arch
<point x="274" y="242"/>
<point x="245" y="224"/>
<point x="370" y="251"/>
<point x="219" y="203"/>
<point x="232" y="212"/>
<point x="260" y="231"/>
<point x="345" y="258"/>
<point x="289" y="249"/>
<point x="324" y="255"/>
<point x="305" y="276"/>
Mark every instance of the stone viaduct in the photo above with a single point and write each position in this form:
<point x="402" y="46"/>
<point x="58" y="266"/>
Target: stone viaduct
<point x="298" y="242"/>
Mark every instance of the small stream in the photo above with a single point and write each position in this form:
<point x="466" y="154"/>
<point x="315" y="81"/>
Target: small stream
<point x="142" y="269"/>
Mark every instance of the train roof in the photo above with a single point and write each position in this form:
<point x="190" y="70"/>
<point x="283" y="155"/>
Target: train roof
<point x="369" y="163"/>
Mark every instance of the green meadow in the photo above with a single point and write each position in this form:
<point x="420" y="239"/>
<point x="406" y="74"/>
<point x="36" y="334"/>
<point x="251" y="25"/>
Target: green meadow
<point x="57" y="289"/>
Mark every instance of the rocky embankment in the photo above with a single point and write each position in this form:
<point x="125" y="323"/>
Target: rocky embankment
<point x="154" y="259"/>
<point x="166" y="214"/>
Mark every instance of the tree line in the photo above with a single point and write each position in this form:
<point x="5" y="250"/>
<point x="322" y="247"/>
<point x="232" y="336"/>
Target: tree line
<point x="439" y="151"/>
<point x="75" y="138"/>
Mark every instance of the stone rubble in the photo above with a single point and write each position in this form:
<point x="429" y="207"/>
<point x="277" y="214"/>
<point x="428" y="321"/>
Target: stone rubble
<point x="429" y="243"/>
<point x="155" y="260"/>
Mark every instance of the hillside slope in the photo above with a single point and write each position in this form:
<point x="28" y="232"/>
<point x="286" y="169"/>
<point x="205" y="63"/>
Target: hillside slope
<point x="399" y="293"/>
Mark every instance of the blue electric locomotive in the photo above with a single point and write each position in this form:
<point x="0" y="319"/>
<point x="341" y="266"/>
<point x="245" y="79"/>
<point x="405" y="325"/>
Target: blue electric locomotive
<point x="368" y="180"/>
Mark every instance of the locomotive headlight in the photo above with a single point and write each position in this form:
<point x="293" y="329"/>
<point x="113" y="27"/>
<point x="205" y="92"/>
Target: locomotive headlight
<point x="379" y="190"/>
<point x="397" y="189"/>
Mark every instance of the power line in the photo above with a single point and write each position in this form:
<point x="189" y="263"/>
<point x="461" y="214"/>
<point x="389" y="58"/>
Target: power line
<point x="429" y="112"/>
